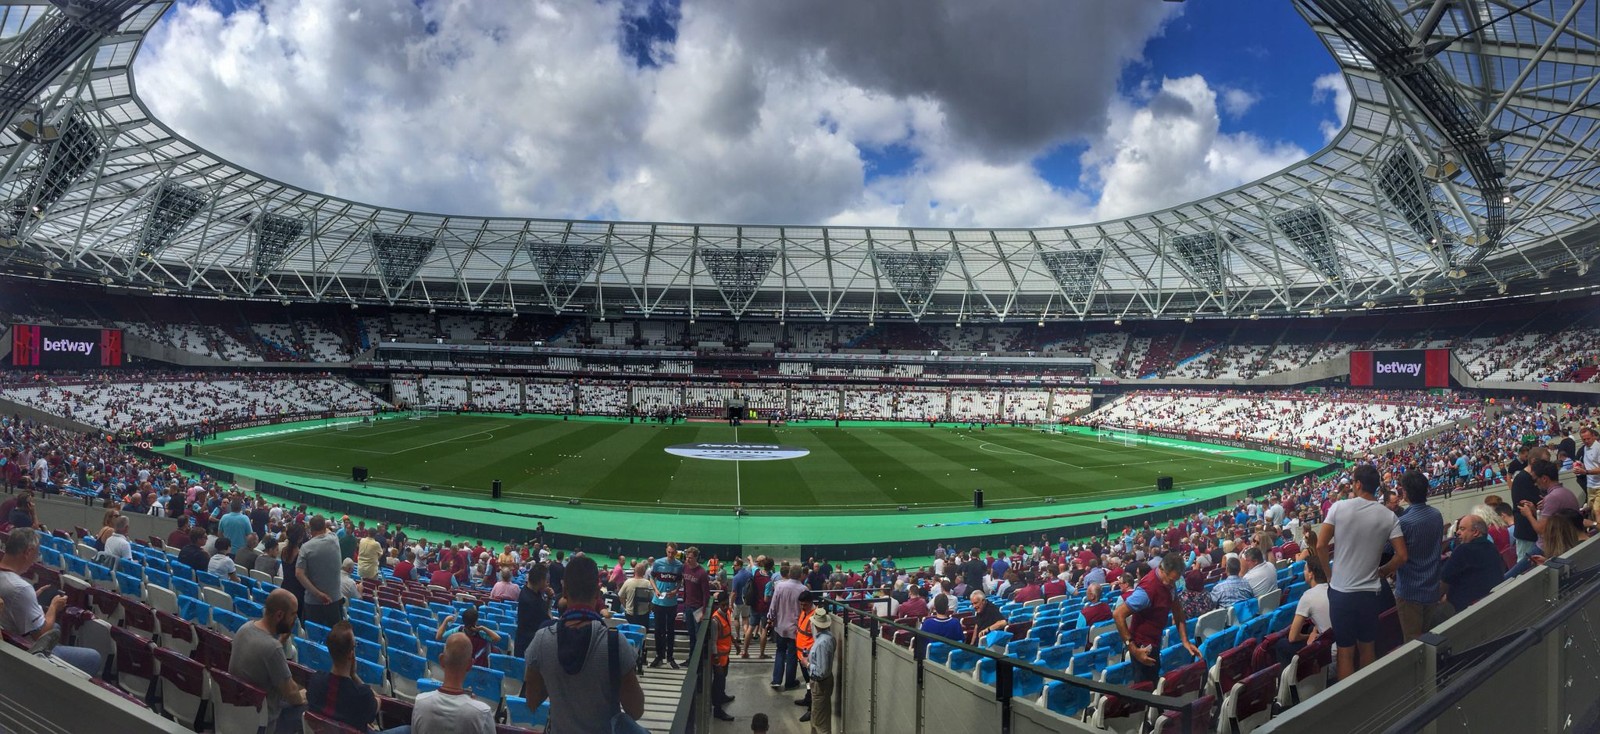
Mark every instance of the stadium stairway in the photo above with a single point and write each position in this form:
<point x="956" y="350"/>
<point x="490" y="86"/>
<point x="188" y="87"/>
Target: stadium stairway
<point x="663" y="687"/>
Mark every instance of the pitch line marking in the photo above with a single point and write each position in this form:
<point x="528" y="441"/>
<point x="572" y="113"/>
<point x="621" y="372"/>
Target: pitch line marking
<point x="982" y="447"/>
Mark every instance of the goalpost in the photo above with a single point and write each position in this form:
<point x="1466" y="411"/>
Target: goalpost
<point x="1112" y="435"/>
<point x="427" y="411"/>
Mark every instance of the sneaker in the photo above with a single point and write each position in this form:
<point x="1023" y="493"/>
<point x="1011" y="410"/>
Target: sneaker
<point x="673" y="662"/>
<point x="658" y="661"/>
<point x="722" y="715"/>
<point x="806" y="701"/>
<point x="776" y="686"/>
<point x="805" y="717"/>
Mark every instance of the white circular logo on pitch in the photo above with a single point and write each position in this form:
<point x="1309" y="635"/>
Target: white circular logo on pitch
<point x="737" y="451"/>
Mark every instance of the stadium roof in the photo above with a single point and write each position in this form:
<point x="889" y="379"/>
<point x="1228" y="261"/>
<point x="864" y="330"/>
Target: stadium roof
<point x="1468" y="166"/>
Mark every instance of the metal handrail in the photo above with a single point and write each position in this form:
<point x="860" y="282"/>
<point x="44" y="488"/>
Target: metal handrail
<point x="694" y="702"/>
<point x="1004" y="666"/>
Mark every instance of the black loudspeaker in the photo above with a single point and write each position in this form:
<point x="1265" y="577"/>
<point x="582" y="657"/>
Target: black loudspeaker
<point x="358" y="473"/>
<point x="977" y="498"/>
<point x="1163" y="484"/>
<point x="1288" y="468"/>
<point x="496" y="489"/>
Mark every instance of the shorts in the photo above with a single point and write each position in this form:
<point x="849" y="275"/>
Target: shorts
<point x="757" y="618"/>
<point x="741" y="613"/>
<point x="1354" y="615"/>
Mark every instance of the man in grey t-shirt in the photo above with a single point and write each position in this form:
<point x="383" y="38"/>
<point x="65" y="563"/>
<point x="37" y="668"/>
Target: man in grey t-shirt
<point x="1357" y="529"/>
<point x="318" y="570"/>
<point x="258" y="658"/>
<point x="582" y="697"/>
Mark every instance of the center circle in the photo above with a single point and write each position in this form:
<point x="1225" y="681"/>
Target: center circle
<point x="737" y="451"/>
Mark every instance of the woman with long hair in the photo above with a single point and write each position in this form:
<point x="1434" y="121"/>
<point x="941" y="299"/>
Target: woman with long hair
<point x="107" y="522"/>
<point x="294" y="537"/>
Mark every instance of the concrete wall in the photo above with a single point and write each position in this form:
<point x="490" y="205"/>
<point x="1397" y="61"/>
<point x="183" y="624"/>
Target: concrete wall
<point x="59" y="513"/>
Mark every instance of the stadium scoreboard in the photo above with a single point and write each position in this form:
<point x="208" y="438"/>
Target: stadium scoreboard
<point x="65" y="347"/>
<point x="1411" y="368"/>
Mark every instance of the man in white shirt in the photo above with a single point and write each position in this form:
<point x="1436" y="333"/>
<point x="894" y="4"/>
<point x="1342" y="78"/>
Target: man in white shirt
<point x="117" y="546"/>
<point x="452" y="708"/>
<point x="1260" y="575"/>
<point x="1357" y="530"/>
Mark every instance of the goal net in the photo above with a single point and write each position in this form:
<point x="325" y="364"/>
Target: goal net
<point x="424" y="412"/>
<point x="1108" y="435"/>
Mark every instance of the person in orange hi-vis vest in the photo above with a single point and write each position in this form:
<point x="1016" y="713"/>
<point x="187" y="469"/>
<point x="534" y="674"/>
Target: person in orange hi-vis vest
<point x="803" y="639"/>
<point x="719" y="664"/>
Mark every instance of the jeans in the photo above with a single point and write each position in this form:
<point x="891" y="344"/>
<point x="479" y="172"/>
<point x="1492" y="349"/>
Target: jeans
<point x="1286" y="650"/>
<point x="666" y="631"/>
<point x="692" y="626"/>
<point x="289" y="720"/>
<point x="326" y="615"/>
<point x="83" y="658"/>
<point x="784" y="662"/>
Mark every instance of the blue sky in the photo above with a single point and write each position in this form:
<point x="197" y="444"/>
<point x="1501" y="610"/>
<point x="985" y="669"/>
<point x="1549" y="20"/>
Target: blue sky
<point x="905" y="112"/>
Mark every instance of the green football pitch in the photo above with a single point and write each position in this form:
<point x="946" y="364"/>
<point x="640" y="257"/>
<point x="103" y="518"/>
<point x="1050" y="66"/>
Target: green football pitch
<point x="859" y="466"/>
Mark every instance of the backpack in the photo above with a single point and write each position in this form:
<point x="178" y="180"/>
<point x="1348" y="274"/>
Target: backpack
<point x="641" y="602"/>
<point x="753" y="592"/>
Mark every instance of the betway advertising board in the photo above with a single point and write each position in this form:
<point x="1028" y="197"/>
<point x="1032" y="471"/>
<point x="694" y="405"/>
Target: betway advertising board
<point x="1400" y="368"/>
<point x="53" y="347"/>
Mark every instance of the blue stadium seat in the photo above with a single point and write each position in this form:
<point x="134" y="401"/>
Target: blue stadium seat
<point x="247" y="608"/>
<point x="194" y="610"/>
<point x="369" y="650"/>
<point x="1055" y="658"/>
<point x="1293" y="593"/>
<point x="406" y="668"/>
<point x="939" y="652"/>
<point x="185" y="587"/>
<point x="1087" y="664"/>
<point x="208" y="579"/>
<point x="1256" y="628"/>
<point x="1065" y="699"/>
<point x="1281" y="618"/>
<point x="431" y="650"/>
<point x="403" y="641"/>
<point x="1213" y="646"/>
<point x="1110" y="641"/>
<point x="519" y="715"/>
<point x="371" y="672"/>
<point x="315" y="631"/>
<point x="1244" y="611"/>
<point x="1174" y="657"/>
<point x="1025" y="650"/>
<point x="313" y="655"/>
<point x="1120" y="674"/>
<point x="997" y="640"/>
<point x="986" y="671"/>
<point x="963" y="660"/>
<point x="366" y="630"/>
<point x="236" y="589"/>
<point x="130" y="585"/>
<point x="485" y="683"/>
<point x="1025" y="683"/>
<point x="181" y="571"/>
<point x="227" y="622"/>
<point x="1045" y="633"/>
<point x="1077" y="639"/>
<point x="511" y="666"/>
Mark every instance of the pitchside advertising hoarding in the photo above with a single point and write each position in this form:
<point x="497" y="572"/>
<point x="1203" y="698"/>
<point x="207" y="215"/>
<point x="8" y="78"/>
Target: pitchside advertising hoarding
<point x="1400" y="368"/>
<point x="51" y="347"/>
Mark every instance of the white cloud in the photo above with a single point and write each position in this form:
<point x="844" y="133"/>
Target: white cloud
<point x="1237" y="101"/>
<point x="1332" y="85"/>
<point x="758" y="112"/>
<point x="1171" y="149"/>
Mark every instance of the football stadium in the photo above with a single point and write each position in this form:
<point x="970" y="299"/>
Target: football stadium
<point x="646" y="365"/>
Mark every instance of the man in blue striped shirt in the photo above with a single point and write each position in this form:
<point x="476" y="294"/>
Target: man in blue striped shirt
<point x="666" y="574"/>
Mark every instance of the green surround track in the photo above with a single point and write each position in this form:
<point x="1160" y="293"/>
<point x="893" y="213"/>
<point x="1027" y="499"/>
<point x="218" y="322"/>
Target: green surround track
<point x="821" y="526"/>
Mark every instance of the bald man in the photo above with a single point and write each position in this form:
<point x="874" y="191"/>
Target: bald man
<point x="258" y="658"/>
<point x="452" y="708"/>
<point x="1474" y="565"/>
